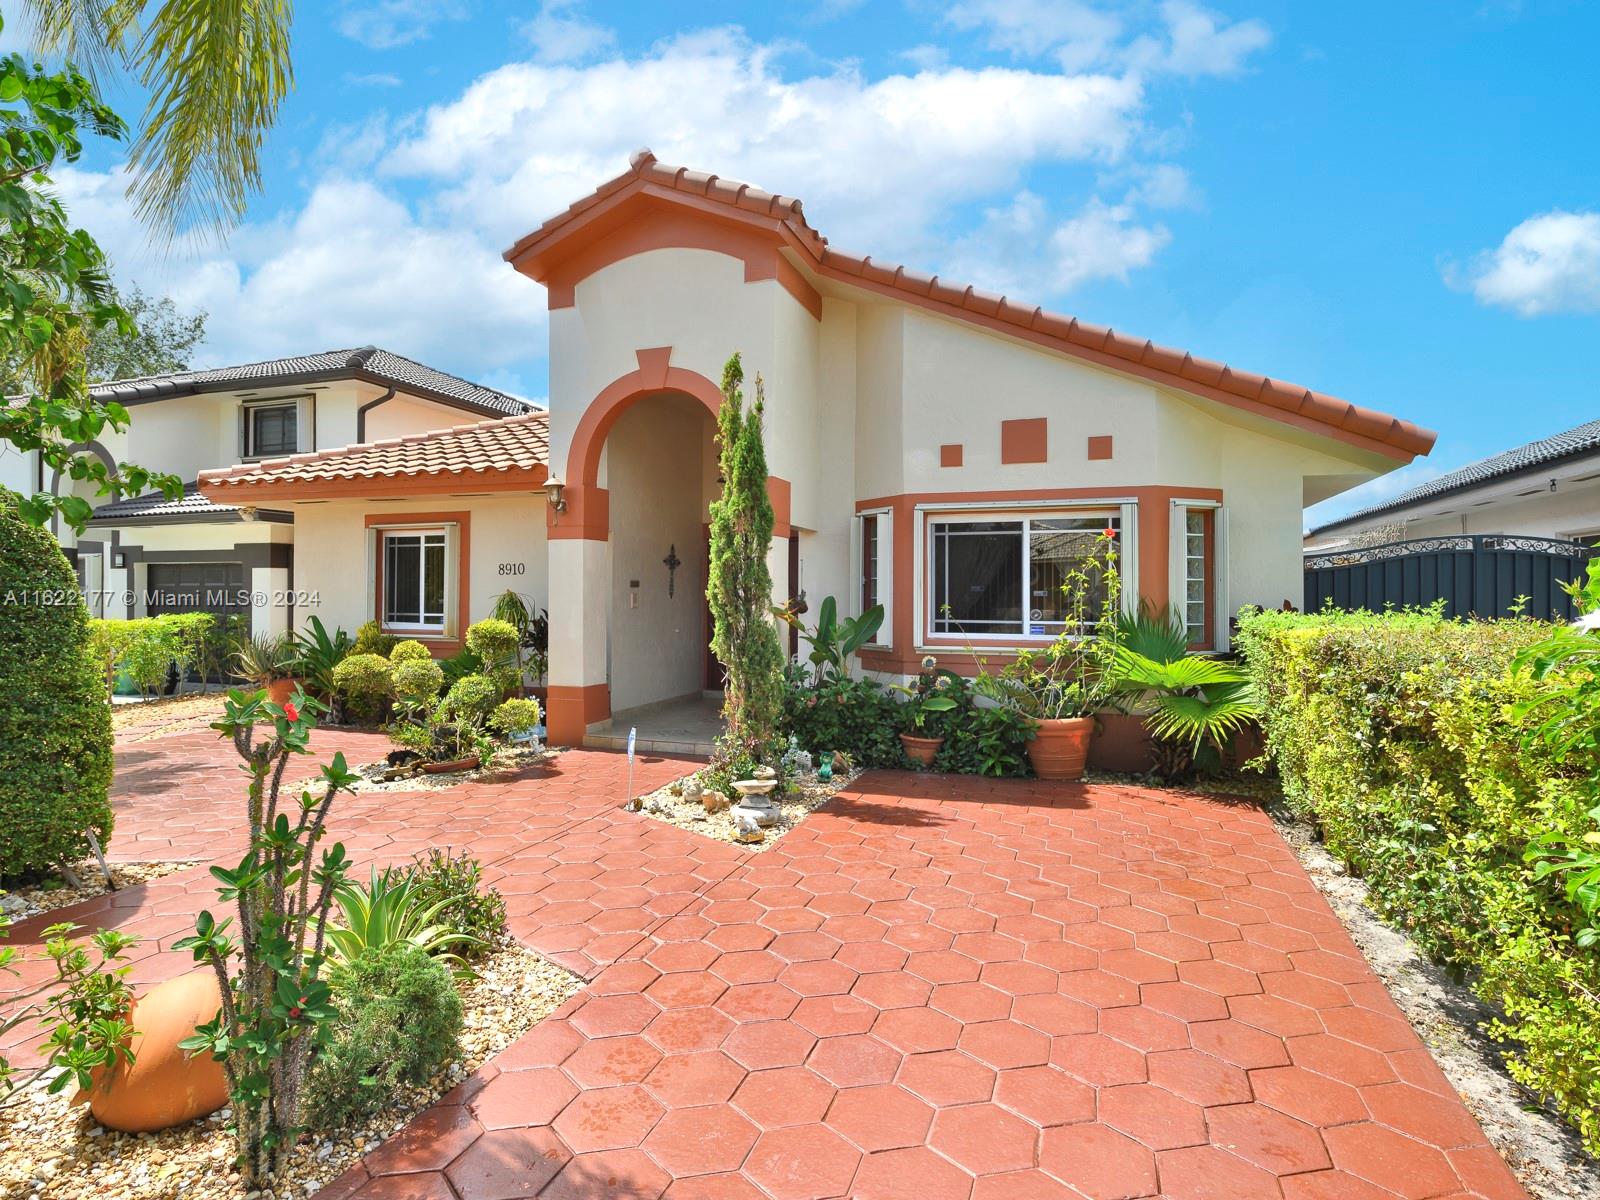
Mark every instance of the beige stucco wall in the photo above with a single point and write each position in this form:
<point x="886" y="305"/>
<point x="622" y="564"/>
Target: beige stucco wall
<point x="334" y="572"/>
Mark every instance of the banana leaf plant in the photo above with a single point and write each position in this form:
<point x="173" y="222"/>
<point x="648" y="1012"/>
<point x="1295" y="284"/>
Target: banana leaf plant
<point x="833" y="641"/>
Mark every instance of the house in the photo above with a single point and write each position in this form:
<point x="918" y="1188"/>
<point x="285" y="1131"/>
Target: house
<point x="1549" y="488"/>
<point x="933" y="448"/>
<point x="147" y="554"/>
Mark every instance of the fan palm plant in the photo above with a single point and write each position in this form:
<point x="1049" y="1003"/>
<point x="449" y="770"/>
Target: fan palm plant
<point x="392" y="909"/>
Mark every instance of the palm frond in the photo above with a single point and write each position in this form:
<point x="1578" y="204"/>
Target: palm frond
<point x="93" y="34"/>
<point x="1155" y="633"/>
<point x="1211" y="716"/>
<point x="1137" y="672"/>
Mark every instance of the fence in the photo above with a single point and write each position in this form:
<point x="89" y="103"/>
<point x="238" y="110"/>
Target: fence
<point x="1479" y="575"/>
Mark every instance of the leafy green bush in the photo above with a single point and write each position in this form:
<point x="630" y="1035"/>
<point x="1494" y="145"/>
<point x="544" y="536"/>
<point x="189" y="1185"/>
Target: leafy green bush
<point x="472" y="697"/>
<point x="55" y="721"/>
<point x="466" y="906"/>
<point x="371" y="639"/>
<point x="398" y="1023"/>
<point x="858" y="716"/>
<point x="410" y="651"/>
<point x="363" y="682"/>
<point x="1408" y="738"/>
<point x="416" y="680"/>
<point x="516" y="716"/>
<point x="147" y="648"/>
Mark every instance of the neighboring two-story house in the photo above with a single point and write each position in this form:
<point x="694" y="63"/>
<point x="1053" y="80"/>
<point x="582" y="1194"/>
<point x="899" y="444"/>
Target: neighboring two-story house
<point x="947" y="453"/>
<point x="147" y="554"/>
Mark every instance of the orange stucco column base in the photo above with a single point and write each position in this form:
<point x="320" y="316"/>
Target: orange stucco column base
<point x="571" y="710"/>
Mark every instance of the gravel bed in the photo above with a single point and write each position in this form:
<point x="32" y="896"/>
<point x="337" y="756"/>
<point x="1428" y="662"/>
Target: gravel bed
<point x="809" y="794"/>
<point x="507" y="764"/>
<point x="1543" y="1152"/>
<point x="151" y="720"/>
<point x="50" y="1149"/>
<point x="51" y="894"/>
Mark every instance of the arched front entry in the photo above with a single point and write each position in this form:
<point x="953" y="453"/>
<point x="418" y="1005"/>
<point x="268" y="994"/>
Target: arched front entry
<point x="627" y="627"/>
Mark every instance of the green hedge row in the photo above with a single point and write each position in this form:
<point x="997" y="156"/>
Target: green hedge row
<point x="1400" y="736"/>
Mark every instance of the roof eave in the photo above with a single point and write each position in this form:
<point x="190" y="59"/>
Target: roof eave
<point x="374" y="487"/>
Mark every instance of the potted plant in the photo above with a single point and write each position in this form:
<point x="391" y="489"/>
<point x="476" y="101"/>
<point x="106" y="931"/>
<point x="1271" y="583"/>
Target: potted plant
<point x="1062" y="687"/>
<point x="925" y="697"/>
<point x="270" y="661"/>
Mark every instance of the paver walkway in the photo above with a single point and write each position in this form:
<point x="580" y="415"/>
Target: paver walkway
<point x="935" y="987"/>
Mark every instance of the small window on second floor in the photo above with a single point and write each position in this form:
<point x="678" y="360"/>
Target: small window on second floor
<point x="269" y="430"/>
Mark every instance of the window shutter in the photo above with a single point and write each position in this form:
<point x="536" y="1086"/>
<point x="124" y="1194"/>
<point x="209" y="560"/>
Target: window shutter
<point x="453" y="618"/>
<point x="243" y="443"/>
<point x="305" y="424"/>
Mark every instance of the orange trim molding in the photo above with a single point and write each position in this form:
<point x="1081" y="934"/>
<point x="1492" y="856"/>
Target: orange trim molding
<point x="1025" y="441"/>
<point x="950" y="454"/>
<point x="1100" y="448"/>
<point x="374" y="487"/>
<point x="569" y="711"/>
<point x="438" y="646"/>
<point x="778" y="491"/>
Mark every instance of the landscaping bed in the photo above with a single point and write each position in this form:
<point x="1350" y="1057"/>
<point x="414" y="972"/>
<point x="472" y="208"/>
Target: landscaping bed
<point x="804" y="796"/>
<point x="52" y="893"/>
<point x="151" y="720"/>
<point x="506" y="764"/>
<point x="50" y="1149"/>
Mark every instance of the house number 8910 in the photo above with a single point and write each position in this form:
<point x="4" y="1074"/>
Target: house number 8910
<point x="513" y="568"/>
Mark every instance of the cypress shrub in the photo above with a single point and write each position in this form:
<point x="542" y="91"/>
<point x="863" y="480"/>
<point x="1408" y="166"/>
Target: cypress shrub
<point x="55" y="722"/>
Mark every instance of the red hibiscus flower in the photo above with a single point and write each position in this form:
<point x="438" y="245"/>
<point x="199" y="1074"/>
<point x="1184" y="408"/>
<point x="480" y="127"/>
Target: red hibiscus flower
<point x="290" y="711"/>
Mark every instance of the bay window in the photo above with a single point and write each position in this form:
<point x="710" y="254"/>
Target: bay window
<point x="1003" y="577"/>
<point x="414" y="564"/>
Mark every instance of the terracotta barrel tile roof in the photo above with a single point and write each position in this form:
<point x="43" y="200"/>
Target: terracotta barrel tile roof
<point x="1176" y="368"/>
<point x="511" y="452"/>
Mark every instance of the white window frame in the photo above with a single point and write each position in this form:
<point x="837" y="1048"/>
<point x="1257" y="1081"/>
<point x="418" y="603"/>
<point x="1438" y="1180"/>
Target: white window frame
<point x="1178" y="567"/>
<point x="426" y="628"/>
<point x="884" y="638"/>
<point x="1124" y="509"/>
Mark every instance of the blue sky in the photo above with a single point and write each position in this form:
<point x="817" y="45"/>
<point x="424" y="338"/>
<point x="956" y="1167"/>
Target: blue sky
<point x="1395" y="203"/>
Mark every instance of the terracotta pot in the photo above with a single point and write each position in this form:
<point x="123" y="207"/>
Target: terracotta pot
<point x="445" y="768"/>
<point x="1121" y="744"/>
<point x="165" y="1085"/>
<point x="921" y="749"/>
<point x="279" y="690"/>
<point x="1060" y="747"/>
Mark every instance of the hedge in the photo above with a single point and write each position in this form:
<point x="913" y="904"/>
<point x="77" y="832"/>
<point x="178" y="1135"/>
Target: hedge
<point x="1400" y="737"/>
<point x="55" y="722"/>
<point x="148" y="647"/>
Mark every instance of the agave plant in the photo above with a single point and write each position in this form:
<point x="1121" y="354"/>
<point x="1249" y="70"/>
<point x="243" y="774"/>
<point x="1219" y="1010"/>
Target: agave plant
<point x="391" y="909"/>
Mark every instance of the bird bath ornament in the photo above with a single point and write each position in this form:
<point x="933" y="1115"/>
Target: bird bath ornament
<point x="755" y="800"/>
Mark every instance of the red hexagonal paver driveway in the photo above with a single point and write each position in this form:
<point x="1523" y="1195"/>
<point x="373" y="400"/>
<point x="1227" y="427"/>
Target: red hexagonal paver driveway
<point x="935" y="987"/>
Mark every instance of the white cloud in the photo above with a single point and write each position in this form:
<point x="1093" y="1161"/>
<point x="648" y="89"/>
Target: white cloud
<point x="1186" y="39"/>
<point x="880" y="164"/>
<point x="390" y="23"/>
<point x="353" y="266"/>
<point x="1021" y="251"/>
<point x="378" y="79"/>
<point x="1548" y="264"/>
<point x="560" y="34"/>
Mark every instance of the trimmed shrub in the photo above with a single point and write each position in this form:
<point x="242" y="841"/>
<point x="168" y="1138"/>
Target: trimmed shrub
<point x="493" y="639"/>
<point x="371" y="639"/>
<point x="55" y="722"/>
<point x="456" y="883"/>
<point x="148" y="648"/>
<point x="858" y="716"/>
<point x="472" y="698"/>
<point x="364" y="682"/>
<point x="410" y="651"/>
<point x="515" y="716"/>
<point x="1406" y="739"/>
<point x="399" y="1022"/>
<point x="416" y="680"/>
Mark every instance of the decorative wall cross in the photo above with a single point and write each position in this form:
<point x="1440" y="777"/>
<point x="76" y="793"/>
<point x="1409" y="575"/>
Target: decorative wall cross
<point x="672" y="564"/>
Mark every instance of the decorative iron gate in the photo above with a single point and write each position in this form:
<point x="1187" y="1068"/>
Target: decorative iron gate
<point x="1476" y="575"/>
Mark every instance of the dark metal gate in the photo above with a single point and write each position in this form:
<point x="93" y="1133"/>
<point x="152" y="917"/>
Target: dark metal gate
<point x="1476" y="575"/>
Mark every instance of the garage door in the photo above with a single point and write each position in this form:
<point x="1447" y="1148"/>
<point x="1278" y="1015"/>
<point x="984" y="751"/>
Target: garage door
<point x="217" y="587"/>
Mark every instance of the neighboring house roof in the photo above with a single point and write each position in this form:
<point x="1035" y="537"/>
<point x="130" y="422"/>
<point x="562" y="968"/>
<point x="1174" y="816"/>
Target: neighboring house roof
<point x="509" y="454"/>
<point x="1582" y="440"/>
<point x="153" y="508"/>
<point x="368" y="363"/>
<point x="1105" y="347"/>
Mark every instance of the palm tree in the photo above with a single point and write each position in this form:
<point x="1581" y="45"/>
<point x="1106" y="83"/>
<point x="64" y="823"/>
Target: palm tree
<point x="216" y="71"/>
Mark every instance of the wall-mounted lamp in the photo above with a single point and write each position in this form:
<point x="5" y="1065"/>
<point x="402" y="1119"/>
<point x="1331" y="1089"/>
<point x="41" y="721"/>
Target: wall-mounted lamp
<point x="555" y="492"/>
<point x="247" y="512"/>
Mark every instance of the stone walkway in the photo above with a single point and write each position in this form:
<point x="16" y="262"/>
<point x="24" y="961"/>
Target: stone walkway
<point x="935" y="987"/>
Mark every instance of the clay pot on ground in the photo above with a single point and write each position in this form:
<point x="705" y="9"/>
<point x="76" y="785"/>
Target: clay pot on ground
<point x="279" y="690"/>
<point x="1121" y="744"/>
<point x="921" y="750"/>
<point x="165" y="1085"/>
<point x="1060" y="747"/>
